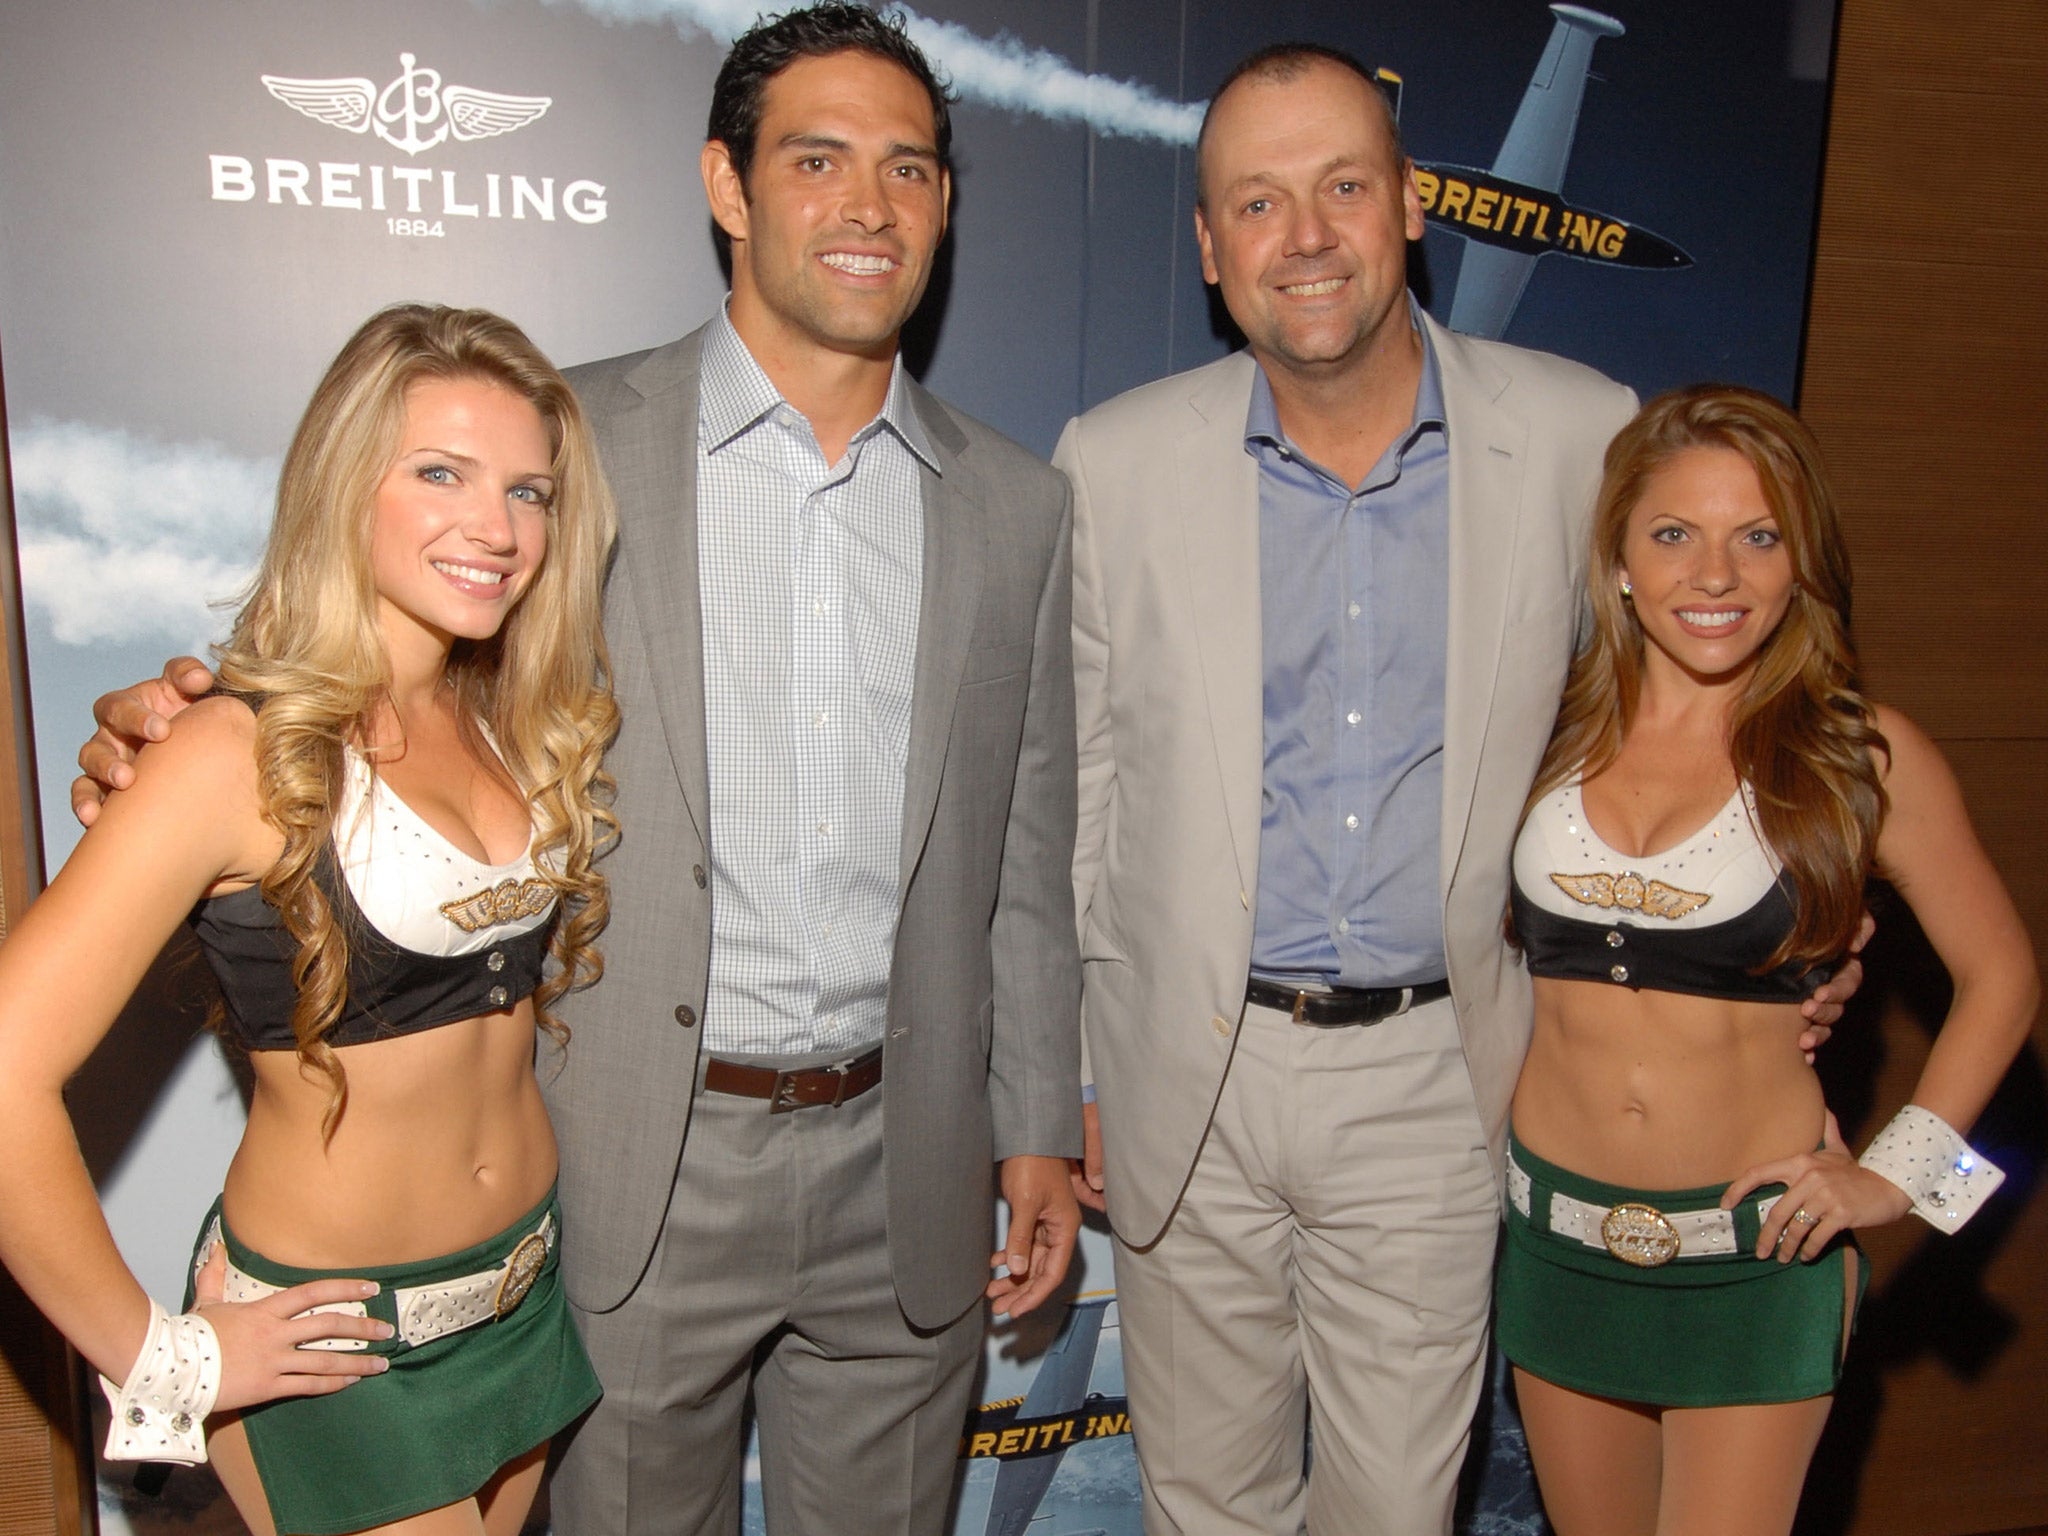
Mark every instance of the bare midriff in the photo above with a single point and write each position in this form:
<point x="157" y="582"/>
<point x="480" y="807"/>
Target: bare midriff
<point x="444" y="1143"/>
<point x="1662" y="1091"/>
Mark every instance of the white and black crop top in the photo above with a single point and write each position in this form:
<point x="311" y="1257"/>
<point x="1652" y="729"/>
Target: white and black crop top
<point x="433" y="934"/>
<point x="1702" y="918"/>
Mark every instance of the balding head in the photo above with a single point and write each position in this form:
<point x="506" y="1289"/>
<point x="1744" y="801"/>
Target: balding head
<point x="1281" y="63"/>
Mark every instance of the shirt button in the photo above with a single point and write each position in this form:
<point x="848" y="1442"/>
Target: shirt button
<point x="1221" y="1025"/>
<point x="697" y="874"/>
<point x="1351" y="822"/>
<point x="824" y="829"/>
<point x="498" y="997"/>
<point x="686" y="1016"/>
<point x="1614" y="938"/>
<point x="1617" y="973"/>
<point x="1353" y="610"/>
<point x="1343" y="925"/>
<point x="1353" y="718"/>
<point x="496" y="960"/>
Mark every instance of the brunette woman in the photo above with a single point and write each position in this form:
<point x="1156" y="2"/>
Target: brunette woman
<point x="1679" y="1278"/>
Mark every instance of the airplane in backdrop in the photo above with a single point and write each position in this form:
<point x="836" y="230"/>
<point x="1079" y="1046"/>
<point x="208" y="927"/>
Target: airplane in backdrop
<point x="1029" y="1436"/>
<point x="1513" y="213"/>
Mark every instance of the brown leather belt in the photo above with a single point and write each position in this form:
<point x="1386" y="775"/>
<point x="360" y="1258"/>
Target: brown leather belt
<point x="784" y="1091"/>
<point x="1342" y="1005"/>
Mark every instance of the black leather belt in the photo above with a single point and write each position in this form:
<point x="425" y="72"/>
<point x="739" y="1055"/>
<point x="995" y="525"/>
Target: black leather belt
<point x="785" y="1091"/>
<point x="1342" y="1005"/>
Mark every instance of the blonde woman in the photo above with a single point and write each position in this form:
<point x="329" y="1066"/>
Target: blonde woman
<point x="1679" y="1277"/>
<point x="382" y="831"/>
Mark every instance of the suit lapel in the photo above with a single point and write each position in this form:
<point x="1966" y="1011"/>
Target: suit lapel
<point x="1488" y="442"/>
<point x="1219" y="502"/>
<point x="653" y="465"/>
<point x="954" y="555"/>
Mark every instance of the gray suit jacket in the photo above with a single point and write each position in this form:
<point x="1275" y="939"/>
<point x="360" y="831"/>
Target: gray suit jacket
<point x="1167" y="657"/>
<point x="982" y="1046"/>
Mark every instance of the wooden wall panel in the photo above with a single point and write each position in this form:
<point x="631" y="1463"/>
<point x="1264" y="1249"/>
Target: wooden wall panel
<point x="1926" y="378"/>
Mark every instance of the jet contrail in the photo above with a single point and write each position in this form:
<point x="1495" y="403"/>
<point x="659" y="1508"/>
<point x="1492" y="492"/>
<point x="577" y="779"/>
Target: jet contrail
<point x="995" y="72"/>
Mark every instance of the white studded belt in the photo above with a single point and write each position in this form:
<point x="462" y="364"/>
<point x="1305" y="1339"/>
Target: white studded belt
<point x="1634" y="1232"/>
<point x="424" y="1312"/>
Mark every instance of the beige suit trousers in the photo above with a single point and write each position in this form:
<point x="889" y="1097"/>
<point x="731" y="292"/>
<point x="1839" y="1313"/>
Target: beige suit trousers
<point x="1328" y="1269"/>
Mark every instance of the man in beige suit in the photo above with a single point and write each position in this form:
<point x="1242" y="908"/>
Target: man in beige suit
<point x="1326" y="591"/>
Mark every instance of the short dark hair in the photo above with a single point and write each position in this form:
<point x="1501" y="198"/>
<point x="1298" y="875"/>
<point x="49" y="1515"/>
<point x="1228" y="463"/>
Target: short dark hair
<point x="1288" y="61"/>
<point x="771" y="45"/>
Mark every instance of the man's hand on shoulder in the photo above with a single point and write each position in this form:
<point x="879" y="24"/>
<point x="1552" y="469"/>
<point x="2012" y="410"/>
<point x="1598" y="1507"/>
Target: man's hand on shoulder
<point x="1045" y="1223"/>
<point x="1823" y="1010"/>
<point x="128" y="719"/>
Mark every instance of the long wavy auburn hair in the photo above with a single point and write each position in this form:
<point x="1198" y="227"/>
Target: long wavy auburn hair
<point x="1801" y="734"/>
<point x="306" y="645"/>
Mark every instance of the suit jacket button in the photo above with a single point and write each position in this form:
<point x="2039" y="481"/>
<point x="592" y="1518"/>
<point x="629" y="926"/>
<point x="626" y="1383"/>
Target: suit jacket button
<point x="1221" y="1025"/>
<point x="697" y="874"/>
<point x="686" y="1016"/>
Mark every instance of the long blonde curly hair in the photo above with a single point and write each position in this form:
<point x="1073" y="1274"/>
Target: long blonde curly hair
<point x="1802" y="736"/>
<point x="306" y="646"/>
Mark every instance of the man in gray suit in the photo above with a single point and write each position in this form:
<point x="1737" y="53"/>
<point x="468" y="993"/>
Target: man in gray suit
<point x="840" y="978"/>
<point x="1325" y="595"/>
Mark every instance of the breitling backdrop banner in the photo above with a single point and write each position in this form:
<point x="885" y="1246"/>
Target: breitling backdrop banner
<point x="199" y="202"/>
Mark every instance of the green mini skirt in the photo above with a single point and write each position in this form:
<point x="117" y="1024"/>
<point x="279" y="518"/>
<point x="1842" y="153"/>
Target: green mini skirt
<point x="437" y="1425"/>
<point x="1698" y="1332"/>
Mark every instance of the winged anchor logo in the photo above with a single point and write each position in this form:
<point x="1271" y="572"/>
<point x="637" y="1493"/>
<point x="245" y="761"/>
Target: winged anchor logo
<point x="413" y="103"/>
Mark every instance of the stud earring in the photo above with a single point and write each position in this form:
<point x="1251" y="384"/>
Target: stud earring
<point x="1627" y="587"/>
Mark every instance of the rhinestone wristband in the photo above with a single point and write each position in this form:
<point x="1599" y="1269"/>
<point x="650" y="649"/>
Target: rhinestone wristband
<point x="159" y="1412"/>
<point x="1922" y="1154"/>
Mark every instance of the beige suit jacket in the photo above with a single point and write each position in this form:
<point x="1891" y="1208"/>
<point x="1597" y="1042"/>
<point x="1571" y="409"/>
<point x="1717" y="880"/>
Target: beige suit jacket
<point x="1169" y="684"/>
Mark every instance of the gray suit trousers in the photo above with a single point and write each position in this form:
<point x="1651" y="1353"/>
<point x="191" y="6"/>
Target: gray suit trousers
<point x="772" y="1270"/>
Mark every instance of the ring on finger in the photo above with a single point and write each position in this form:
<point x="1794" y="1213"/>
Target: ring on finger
<point x="1805" y="1217"/>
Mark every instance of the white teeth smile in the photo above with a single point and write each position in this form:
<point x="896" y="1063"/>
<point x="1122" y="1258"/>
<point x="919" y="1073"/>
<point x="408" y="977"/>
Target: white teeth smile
<point x="473" y="573"/>
<point x="859" y="266"/>
<point x="1709" y="619"/>
<point x="1313" y="290"/>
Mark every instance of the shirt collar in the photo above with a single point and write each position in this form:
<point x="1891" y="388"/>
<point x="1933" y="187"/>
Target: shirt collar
<point x="736" y="396"/>
<point x="1262" y="418"/>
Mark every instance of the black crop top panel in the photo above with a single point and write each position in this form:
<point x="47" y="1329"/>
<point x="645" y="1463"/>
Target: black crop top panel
<point x="391" y="991"/>
<point x="1698" y="919"/>
<point x="433" y="935"/>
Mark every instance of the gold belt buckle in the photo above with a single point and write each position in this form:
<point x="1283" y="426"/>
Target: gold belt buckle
<point x="1640" y="1235"/>
<point x="522" y="1268"/>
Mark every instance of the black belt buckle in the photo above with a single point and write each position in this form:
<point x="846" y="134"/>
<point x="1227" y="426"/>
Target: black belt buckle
<point x="1343" y="1005"/>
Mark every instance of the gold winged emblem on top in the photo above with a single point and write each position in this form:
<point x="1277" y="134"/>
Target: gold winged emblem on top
<point x="505" y="902"/>
<point x="1632" y="893"/>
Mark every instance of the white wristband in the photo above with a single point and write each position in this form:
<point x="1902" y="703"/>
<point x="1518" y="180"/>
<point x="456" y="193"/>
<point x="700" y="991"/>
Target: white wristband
<point x="1922" y="1154"/>
<point x="159" y="1412"/>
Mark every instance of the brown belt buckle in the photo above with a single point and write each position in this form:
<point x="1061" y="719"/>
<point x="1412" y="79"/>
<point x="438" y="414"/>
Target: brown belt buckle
<point x="522" y="1268"/>
<point x="784" y="1098"/>
<point x="1300" y="1006"/>
<point x="1639" y="1234"/>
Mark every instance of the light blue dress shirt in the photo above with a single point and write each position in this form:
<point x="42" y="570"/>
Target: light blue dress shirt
<point x="1353" y="586"/>
<point x="811" y="575"/>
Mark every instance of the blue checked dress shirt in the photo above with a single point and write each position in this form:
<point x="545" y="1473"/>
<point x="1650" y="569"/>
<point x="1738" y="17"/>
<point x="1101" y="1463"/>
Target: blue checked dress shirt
<point x="811" y="574"/>
<point x="1353" y="587"/>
